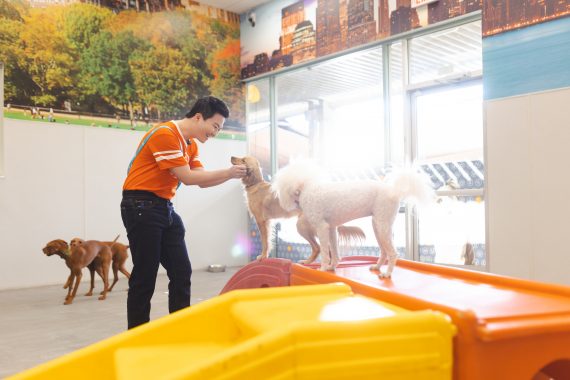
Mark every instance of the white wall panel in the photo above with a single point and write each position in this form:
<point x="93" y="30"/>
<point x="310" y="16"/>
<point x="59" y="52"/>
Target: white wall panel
<point x="64" y="181"/>
<point x="550" y="165"/>
<point x="527" y="138"/>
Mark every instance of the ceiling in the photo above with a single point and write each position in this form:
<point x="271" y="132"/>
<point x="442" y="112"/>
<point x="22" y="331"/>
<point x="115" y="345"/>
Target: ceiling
<point x="236" y="6"/>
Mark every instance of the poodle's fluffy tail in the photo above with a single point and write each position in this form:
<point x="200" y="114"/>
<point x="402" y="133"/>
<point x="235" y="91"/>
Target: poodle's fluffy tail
<point x="290" y="180"/>
<point x="413" y="186"/>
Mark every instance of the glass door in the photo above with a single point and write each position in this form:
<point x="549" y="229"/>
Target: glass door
<point x="447" y="124"/>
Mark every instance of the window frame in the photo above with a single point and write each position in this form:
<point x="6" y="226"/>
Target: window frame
<point x="412" y="243"/>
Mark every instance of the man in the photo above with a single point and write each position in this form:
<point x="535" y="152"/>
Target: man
<point x="166" y="157"/>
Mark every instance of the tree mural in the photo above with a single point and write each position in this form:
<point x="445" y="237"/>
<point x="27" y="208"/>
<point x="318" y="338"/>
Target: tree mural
<point x="104" y="61"/>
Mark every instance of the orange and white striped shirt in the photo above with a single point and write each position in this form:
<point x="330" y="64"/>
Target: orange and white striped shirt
<point x="164" y="149"/>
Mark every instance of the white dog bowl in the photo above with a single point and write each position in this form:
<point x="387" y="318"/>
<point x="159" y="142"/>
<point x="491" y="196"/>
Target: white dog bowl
<point x="215" y="268"/>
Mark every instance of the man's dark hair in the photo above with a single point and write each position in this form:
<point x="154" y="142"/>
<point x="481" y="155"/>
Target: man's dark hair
<point x="208" y="107"/>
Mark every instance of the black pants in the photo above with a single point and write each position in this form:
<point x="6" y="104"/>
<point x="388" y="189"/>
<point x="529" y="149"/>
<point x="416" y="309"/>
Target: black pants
<point x="156" y="236"/>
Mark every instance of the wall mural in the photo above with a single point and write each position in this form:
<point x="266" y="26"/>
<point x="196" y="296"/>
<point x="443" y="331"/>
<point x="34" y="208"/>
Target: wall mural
<point x="284" y="33"/>
<point x="501" y="16"/>
<point x="117" y="63"/>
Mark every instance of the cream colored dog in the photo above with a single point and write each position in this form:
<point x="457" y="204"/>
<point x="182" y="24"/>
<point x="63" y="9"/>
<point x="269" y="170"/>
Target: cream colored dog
<point x="264" y="206"/>
<point x="326" y="205"/>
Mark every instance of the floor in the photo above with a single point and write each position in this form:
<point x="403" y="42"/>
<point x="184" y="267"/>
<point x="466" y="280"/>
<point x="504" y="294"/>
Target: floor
<point x="36" y="327"/>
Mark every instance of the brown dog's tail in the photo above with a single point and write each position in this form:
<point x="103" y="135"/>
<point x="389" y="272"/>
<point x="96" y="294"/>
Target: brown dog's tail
<point x="114" y="241"/>
<point x="350" y="234"/>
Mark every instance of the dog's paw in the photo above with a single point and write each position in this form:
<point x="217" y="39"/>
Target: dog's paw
<point x="101" y="298"/>
<point x="88" y="294"/>
<point x="261" y="257"/>
<point x="305" y="262"/>
<point x="374" y="267"/>
<point x="384" y="275"/>
<point x="68" y="302"/>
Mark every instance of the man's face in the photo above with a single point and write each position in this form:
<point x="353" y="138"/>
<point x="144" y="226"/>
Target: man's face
<point x="210" y="127"/>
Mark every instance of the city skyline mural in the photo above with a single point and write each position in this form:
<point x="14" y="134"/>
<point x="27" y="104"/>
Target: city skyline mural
<point x="502" y="16"/>
<point x="289" y="32"/>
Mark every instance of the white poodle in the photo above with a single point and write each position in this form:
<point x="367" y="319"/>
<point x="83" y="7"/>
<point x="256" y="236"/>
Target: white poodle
<point x="326" y="205"/>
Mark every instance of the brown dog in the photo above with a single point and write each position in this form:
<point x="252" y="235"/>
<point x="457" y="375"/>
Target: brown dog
<point x="263" y="206"/>
<point x="78" y="257"/>
<point x="120" y="255"/>
<point x="100" y="263"/>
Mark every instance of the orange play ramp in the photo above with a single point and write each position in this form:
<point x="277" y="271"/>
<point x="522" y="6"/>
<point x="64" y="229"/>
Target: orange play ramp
<point x="268" y="273"/>
<point x="507" y="328"/>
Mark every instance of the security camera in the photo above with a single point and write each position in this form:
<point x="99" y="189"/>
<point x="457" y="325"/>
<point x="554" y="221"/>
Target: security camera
<point x="251" y="18"/>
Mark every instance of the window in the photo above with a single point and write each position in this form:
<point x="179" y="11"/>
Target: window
<point x="448" y="127"/>
<point x="333" y="112"/>
<point x="417" y="99"/>
<point x="258" y="123"/>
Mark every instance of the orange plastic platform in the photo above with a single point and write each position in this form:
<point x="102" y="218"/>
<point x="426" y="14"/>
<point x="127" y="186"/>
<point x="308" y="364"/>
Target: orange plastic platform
<point x="507" y="328"/>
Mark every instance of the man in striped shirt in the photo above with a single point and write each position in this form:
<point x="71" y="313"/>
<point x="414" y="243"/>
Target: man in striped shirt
<point x="166" y="157"/>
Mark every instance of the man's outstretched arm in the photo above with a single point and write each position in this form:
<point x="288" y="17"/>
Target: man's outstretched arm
<point x="207" y="178"/>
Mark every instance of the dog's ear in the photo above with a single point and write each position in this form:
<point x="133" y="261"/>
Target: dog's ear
<point x="58" y="244"/>
<point x="236" y="160"/>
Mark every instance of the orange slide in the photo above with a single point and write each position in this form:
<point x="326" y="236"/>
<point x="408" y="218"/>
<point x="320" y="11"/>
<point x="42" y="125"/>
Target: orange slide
<point x="507" y="328"/>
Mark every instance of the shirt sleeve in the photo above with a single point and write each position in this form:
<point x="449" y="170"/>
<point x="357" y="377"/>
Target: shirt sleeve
<point x="193" y="153"/>
<point x="166" y="150"/>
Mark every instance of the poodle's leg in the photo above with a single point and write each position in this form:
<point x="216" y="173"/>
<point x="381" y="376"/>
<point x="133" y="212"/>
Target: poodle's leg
<point x="383" y="233"/>
<point x="381" y="260"/>
<point x="306" y="230"/>
<point x="383" y="217"/>
<point x="324" y="238"/>
<point x="388" y="246"/>
<point x="263" y="226"/>
<point x="333" y="241"/>
<point x="377" y="227"/>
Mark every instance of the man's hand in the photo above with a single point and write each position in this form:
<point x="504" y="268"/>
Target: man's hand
<point x="238" y="171"/>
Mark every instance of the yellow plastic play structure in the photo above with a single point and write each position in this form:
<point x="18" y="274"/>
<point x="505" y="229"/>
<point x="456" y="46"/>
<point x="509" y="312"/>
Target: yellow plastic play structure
<point x="300" y="332"/>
